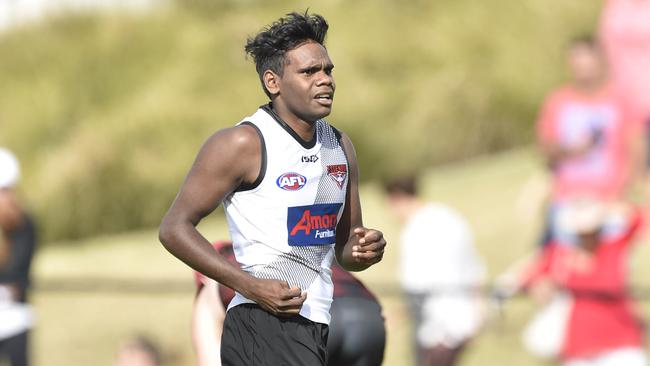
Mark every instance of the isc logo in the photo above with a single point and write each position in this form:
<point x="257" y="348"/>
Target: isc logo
<point x="291" y="181"/>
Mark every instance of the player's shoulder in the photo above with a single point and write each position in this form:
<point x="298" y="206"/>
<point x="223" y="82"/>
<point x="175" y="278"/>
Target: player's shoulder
<point x="238" y="138"/>
<point x="340" y="135"/>
<point x="343" y="139"/>
<point x="240" y="133"/>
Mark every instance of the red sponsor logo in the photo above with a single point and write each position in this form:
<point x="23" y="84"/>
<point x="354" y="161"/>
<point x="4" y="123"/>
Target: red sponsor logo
<point x="338" y="173"/>
<point x="309" y="222"/>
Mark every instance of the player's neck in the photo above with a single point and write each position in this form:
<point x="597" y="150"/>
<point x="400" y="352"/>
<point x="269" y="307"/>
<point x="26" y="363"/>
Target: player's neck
<point x="304" y="129"/>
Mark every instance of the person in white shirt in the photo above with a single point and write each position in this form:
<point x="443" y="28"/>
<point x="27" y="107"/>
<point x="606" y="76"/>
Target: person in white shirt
<point x="440" y="272"/>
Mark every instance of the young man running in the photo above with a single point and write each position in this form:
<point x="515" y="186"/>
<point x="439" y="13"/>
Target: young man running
<point x="289" y="184"/>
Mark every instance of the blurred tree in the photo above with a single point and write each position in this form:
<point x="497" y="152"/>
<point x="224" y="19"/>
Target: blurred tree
<point x="106" y="111"/>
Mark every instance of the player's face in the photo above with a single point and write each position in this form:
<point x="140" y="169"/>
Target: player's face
<point x="307" y="85"/>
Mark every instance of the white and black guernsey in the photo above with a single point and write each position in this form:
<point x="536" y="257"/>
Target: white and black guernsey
<point x="284" y="225"/>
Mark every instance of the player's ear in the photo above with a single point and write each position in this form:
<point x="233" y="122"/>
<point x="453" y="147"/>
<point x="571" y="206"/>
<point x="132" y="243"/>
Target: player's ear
<point x="271" y="82"/>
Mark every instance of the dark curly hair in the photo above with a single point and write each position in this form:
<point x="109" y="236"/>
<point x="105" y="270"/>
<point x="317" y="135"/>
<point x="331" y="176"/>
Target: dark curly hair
<point x="269" y="47"/>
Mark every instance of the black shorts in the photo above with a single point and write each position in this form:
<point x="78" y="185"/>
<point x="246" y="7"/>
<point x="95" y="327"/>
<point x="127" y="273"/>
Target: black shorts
<point x="357" y="332"/>
<point x="254" y="337"/>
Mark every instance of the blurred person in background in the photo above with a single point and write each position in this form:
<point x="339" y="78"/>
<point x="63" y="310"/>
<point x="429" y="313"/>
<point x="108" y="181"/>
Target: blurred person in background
<point x="357" y="334"/>
<point x="440" y="272"/>
<point x="289" y="183"/>
<point x="601" y="325"/>
<point x="17" y="244"/>
<point x="139" y="351"/>
<point x="625" y="36"/>
<point x="588" y="134"/>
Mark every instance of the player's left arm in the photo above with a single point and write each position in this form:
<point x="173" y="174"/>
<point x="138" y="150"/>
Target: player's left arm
<point x="357" y="247"/>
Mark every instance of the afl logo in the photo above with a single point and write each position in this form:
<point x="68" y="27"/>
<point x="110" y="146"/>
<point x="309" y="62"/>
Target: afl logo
<point x="291" y="181"/>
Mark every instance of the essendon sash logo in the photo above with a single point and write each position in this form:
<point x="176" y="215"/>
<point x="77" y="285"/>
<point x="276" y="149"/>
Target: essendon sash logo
<point x="338" y="173"/>
<point x="312" y="225"/>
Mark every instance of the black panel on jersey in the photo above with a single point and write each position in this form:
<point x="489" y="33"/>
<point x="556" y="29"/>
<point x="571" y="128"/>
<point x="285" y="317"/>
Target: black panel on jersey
<point x="338" y="135"/>
<point x="306" y="144"/>
<point x="248" y="186"/>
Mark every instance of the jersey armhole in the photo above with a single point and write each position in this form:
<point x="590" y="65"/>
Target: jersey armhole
<point x="262" y="173"/>
<point x="339" y="139"/>
<point x="338" y="135"/>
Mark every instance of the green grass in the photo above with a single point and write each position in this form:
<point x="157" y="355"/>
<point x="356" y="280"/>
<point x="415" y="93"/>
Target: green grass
<point x="85" y="323"/>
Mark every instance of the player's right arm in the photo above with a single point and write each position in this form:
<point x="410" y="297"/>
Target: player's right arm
<point x="357" y="247"/>
<point x="228" y="159"/>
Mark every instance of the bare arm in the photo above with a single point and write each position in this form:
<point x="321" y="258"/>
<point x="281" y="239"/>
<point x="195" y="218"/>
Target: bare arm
<point x="357" y="247"/>
<point x="229" y="158"/>
<point x="208" y="315"/>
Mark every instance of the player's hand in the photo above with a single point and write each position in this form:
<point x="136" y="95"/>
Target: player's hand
<point x="369" y="248"/>
<point x="277" y="297"/>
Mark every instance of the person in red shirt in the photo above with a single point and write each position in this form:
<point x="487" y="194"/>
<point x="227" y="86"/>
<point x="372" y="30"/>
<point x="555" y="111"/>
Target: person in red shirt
<point x="357" y="335"/>
<point x="602" y="327"/>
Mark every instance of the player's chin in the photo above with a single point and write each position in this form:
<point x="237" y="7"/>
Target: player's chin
<point x="320" y="110"/>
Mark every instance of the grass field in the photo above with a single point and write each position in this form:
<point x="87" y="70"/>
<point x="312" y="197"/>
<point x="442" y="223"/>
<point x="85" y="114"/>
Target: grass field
<point x="93" y="294"/>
